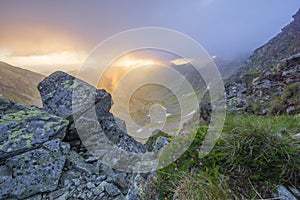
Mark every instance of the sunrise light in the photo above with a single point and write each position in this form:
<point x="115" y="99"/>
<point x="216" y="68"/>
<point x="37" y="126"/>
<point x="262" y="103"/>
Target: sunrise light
<point x="131" y="61"/>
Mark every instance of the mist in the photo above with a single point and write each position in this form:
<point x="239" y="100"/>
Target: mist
<point x="226" y="28"/>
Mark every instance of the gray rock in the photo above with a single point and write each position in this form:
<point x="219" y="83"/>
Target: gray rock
<point x="64" y="95"/>
<point x="69" y="97"/>
<point x="99" y="179"/>
<point x="82" y="195"/>
<point x="80" y="164"/>
<point x="28" y="129"/>
<point x="91" y="159"/>
<point x="120" y="197"/>
<point x="76" y="181"/>
<point x="160" y="143"/>
<point x="5" y="171"/>
<point x="89" y="195"/>
<point x="295" y="191"/>
<point x="35" y="197"/>
<point x="297" y="136"/>
<point x="97" y="190"/>
<point x="57" y="193"/>
<point x="111" y="189"/>
<point x="63" y="197"/>
<point x="90" y="185"/>
<point x="8" y="107"/>
<point x="69" y="175"/>
<point x="57" y="146"/>
<point x="290" y="110"/>
<point x="107" y="170"/>
<point x="285" y="194"/>
<point x="34" y="172"/>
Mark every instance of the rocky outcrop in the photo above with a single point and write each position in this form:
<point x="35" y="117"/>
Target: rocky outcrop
<point x="274" y="91"/>
<point x="42" y="156"/>
<point x="65" y="96"/>
<point x="31" y="150"/>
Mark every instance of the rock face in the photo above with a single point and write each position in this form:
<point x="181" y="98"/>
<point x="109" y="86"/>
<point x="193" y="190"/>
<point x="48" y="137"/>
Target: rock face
<point x="42" y="157"/>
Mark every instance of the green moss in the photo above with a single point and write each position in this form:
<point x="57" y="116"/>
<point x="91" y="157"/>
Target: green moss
<point x="27" y="136"/>
<point x="28" y="143"/>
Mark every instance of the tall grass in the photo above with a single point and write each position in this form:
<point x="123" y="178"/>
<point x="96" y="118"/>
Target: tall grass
<point x="254" y="153"/>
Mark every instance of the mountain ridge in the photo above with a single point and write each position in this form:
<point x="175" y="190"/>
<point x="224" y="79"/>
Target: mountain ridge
<point x="19" y="85"/>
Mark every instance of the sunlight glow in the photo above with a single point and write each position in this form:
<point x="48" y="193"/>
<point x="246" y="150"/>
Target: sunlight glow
<point x="67" y="60"/>
<point x="129" y="61"/>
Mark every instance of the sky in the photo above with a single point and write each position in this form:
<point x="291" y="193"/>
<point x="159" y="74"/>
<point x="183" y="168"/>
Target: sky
<point x="45" y="36"/>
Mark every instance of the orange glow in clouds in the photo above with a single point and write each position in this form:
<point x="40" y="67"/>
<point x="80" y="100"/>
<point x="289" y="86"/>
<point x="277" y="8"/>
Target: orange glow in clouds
<point x="41" y="49"/>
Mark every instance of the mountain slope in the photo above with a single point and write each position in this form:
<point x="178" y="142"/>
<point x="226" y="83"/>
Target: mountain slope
<point x="269" y="82"/>
<point x="19" y="85"/>
<point x="282" y="46"/>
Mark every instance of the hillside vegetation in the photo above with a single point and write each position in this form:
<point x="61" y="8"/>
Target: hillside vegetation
<point x="19" y="85"/>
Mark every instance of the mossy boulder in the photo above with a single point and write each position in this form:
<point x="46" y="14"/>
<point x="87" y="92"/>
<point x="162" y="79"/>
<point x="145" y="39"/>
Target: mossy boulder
<point x="28" y="129"/>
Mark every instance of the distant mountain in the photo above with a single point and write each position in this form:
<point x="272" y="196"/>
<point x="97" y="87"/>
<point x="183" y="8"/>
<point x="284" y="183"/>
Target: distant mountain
<point x="19" y="85"/>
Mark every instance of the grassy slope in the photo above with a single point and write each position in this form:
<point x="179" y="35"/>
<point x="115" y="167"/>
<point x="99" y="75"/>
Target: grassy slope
<point x="253" y="156"/>
<point x="19" y="85"/>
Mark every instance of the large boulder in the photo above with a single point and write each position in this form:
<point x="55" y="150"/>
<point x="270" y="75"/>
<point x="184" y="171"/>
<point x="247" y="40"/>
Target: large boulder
<point x="87" y="109"/>
<point x="63" y="95"/>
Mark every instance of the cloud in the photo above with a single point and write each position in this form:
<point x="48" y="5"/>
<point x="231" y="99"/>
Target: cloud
<point x="21" y="40"/>
<point x="180" y="61"/>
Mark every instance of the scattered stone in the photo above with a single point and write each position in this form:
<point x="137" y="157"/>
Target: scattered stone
<point x="56" y="194"/>
<point x="89" y="195"/>
<point x="111" y="189"/>
<point x="97" y="190"/>
<point x="285" y="194"/>
<point x="76" y="181"/>
<point x="90" y="185"/>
